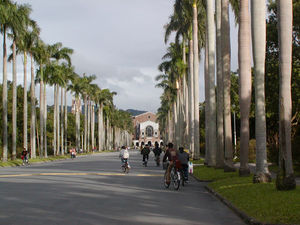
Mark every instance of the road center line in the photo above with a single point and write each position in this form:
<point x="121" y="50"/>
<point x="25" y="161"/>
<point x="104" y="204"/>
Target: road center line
<point x="78" y="174"/>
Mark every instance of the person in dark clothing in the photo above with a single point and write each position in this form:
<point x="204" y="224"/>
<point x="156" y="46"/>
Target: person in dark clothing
<point x="157" y="151"/>
<point x="145" y="152"/>
<point x="184" y="158"/>
<point x="24" y="156"/>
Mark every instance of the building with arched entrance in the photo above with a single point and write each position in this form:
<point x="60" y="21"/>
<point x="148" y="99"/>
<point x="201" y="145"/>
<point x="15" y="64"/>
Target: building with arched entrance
<point x="146" y="130"/>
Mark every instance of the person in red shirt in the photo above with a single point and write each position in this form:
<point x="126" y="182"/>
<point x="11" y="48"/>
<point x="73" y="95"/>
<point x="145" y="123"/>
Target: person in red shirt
<point x="170" y="155"/>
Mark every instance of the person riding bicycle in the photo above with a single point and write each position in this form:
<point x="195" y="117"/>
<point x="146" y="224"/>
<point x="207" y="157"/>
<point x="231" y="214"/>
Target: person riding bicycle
<point x="172" y="156"/>
<point x="124" y="155"/>
<point x="145" y="152"/>
<point x="24" y="156"/>
<point x="157" y="151"/>
<point x="184" y="157"/>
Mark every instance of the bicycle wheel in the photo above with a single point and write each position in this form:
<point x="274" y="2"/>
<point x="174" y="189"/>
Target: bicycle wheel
<point x="182" y="178"/>
<point x="165" y="181"/>
<point x="176" y="180"/>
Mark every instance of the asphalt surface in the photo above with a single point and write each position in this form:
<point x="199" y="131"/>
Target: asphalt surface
<point x="93" y="190"/>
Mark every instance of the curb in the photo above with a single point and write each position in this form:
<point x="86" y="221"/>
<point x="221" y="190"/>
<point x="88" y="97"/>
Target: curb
<point x="249" y="220"/>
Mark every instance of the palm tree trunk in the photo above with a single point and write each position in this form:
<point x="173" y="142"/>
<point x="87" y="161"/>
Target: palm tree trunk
<point x="33" y="113"/>
<point x="54" y="121"/>
<point x="77" y="105"/>
<point x="220" y="97"/>
<point x="226" y="55"/>
<point x="99" y="128"/>
<point x="196" y="81"/>
<point x="14" y="107"/>
<point x="212" y="94"/>
<point x="206" y="80"/>
<point x="175" y="118"/>
<point x="186" y="100"/>
<point x="4" y="99"/>
<point x="45" y="122"/>
<point x="93" y="126"/>
<point x="85" y="123"/>
<point x="41" y="113"/>
<point x="285" y="178"/>
<point x="66" y="122"/>
<point x="89" y="125"/>
<point x="191" y="99"/>
<point x="258" y="18"/>
<point x="62" y="120"/>
<point x="57" y="121"/>
<point x="25" y="106"/>
<point x="245" y="84"/>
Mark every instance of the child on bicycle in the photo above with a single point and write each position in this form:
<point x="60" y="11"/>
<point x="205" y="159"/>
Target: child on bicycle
<point x="124" y="155"/>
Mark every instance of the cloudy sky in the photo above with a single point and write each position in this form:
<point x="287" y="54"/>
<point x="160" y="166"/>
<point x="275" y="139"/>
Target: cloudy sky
<point x="120" y="41"/>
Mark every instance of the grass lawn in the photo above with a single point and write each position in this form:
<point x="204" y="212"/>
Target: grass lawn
<point x="199" y="161"/>
<point x="260" y="201"/>
<point x="208" y="173"/>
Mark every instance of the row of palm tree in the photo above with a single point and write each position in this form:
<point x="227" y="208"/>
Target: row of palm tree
<point x="54" y="68"/>
<point x="199" y="24"/>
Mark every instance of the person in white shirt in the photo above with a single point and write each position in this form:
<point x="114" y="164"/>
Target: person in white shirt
<point x="124" y="155"/>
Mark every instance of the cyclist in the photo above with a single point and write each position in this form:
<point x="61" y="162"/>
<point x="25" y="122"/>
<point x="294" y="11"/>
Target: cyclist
<point x="24" y="156"/>
<point x="183" y="157"/>
<point x="145" y="152"/>
<point x="157" y="151"/>
<point x="124" y="155"/>
<point x="172" y="156"/>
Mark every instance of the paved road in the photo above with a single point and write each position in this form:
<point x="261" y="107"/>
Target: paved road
<point x="92" y="190"/>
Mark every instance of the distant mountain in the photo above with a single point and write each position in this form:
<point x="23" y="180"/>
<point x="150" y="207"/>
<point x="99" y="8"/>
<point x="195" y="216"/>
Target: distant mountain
<point x="135" y="112"/>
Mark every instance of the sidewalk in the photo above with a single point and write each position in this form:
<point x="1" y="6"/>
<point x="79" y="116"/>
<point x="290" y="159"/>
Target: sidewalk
<point x="252" y="170"/>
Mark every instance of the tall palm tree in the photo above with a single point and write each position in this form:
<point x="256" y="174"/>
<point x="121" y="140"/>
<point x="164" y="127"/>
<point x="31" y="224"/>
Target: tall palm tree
<point x="210" y="103"/>
<point x="76" y="87"/>
<point x="245" y="83"/>
<point x="226" y="56"/>
<point x="258" y="22"/>
<point x="24" y="45"/>
<point x="19" y="23"/>
<point x="58" y="53"/>
<point x="69" y="77"/>
<point x="196" y="80"/>
<point x="7" y="9"/>
<point x="285" y="178"/>
<point x="42" y="56"/>
<point x="220" y="94"/>
<point x="87" y="80"/>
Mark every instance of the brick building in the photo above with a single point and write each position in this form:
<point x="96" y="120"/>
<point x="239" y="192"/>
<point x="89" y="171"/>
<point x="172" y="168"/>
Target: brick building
<point x="146" y="129"/>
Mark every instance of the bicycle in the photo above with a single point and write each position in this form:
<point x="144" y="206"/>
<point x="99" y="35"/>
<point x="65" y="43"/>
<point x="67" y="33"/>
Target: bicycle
<point x="125" y="166"/>
<point x="176" y="177"/>
<point x="157" y="160"/>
